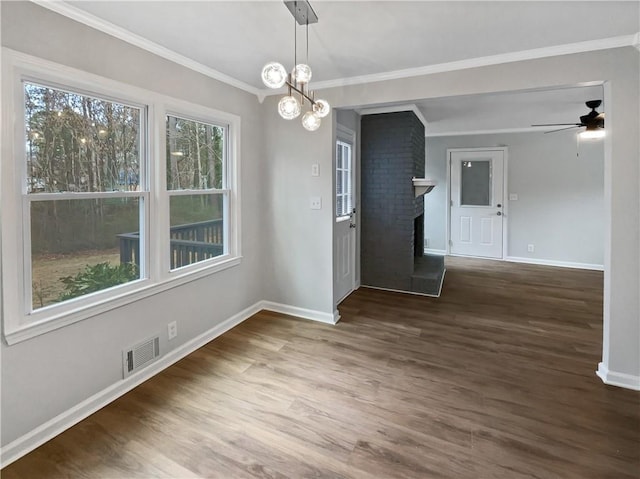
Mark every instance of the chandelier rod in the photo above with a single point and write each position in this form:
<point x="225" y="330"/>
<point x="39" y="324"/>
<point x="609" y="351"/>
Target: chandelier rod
<point x="292" y="86"/>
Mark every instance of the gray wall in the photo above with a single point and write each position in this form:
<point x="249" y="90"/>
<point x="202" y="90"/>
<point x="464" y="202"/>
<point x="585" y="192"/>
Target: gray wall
<point x="51" y="373"/>
<point x="618" y="68"/>
<point x="560" y="206"/>
<point x="298" y="240"/>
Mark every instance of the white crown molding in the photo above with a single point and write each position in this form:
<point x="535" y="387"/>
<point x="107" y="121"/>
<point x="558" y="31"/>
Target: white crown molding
<point x="123" y="34"/>
<point x="567" y="49"/>
<point x="395" y="109"/>
<point x="527" y="129"/>
<point x="97" y="23"/>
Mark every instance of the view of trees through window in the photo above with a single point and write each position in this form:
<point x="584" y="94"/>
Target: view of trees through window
<point x="195" y="161"/>
<point x="79" y="144"/>
<point x="85" y="186"/>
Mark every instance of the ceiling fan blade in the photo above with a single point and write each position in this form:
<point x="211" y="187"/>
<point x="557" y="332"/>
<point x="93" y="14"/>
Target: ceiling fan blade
<point x="559" y="124"/>
<point x="562" y="129"/>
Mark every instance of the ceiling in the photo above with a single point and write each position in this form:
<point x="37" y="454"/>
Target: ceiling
<point x="359" y="41"/>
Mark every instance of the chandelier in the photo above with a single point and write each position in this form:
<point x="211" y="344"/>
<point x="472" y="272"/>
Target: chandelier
<point x="274" y="75"/>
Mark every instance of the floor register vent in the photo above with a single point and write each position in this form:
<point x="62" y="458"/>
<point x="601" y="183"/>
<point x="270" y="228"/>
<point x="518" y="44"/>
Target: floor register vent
<point x="140" y="355"/>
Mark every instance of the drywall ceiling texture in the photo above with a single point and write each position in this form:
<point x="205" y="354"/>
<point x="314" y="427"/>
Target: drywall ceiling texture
<point x="619" y="69"/>
<point x="355" y="38"/>
<point x="560" y="206"/>
<point x="47" y="375"/>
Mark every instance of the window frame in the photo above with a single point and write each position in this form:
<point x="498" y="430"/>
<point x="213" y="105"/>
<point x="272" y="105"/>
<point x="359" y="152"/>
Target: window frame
<point x="19" y="323"/>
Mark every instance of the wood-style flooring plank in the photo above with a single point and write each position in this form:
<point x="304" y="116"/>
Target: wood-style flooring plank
<point x="493" y="380"/>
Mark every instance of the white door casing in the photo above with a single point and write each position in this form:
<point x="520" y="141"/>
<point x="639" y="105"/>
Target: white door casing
<point x="345" y="228"/>
<point x="476" y="202"/>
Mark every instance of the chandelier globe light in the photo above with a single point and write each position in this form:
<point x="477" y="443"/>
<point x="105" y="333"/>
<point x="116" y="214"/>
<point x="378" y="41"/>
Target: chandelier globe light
<point x="289" y="107"/>
<point x="274" y="75"/>
<point x="302" y="73"/>
<point x="311" y="121"/>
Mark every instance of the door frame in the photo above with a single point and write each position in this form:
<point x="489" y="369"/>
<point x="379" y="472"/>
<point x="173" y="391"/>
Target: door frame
<point x="348" y="135"/>
<point x="505" y="196"/>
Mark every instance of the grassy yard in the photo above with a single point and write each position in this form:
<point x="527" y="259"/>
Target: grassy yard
<point x="48" y="269"/>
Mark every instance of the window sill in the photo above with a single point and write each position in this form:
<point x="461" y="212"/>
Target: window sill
<point x="61" y="319"/>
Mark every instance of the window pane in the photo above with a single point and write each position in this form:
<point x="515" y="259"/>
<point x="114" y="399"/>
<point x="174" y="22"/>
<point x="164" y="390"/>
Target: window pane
<point x="197" y="228"/>
<point x="79" y="143"/>
<point x="475" y="183"/>
<point x="82" y="246"/>
<point x="195" y="153"/>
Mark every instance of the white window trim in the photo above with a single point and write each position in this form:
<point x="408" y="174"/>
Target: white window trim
<point x="19" y="326"/>
<point x="345" y="137"/>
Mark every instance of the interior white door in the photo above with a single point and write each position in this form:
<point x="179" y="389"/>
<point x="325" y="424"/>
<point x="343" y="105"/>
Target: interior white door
<point x="345" y="228"/>
<point x="476" y="203"/>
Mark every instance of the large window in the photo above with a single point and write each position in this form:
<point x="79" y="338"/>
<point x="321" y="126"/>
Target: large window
<point x="114" y="193"/>
<point x="196" y="179"/>
<point x="84" y="186"/>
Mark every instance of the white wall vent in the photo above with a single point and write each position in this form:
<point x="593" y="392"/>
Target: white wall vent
<point x="140" y="355"/>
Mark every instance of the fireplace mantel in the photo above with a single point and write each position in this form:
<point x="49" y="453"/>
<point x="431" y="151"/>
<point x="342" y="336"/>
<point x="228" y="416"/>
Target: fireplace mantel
<point x="422" y="186"/>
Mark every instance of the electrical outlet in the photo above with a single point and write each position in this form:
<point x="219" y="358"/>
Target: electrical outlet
<point x="172" y="330"/>
<point x="426" y="242"/>
<point x="316" y="203"/>
<point x="315" y="169"/>
<point x="513" y="196"/>
<point x="530" y="248"/>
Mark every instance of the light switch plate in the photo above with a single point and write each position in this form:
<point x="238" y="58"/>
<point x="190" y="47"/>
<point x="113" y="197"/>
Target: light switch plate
<point x="315" y="169"/>
<point x="513" y="197"/>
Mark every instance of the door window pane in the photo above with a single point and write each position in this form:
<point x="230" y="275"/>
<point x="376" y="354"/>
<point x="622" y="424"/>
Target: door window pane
<point x="343" y="179"/>
<point x="82" y="246"/>
<point x="475" y="183"/>
<point x="195" y="155"/>
<point x="197" y="228"/>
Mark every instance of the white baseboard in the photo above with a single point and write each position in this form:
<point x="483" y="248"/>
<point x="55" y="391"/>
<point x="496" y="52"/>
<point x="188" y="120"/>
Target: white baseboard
<point x="301" y="312"/>
<point x="437" y="252"/>
<point x="622" y="380"/>
<point x="551" y="262"/>
<point x="43" y="433"/>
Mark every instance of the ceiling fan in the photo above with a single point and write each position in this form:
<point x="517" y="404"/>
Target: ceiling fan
<point x="593" y="121"/>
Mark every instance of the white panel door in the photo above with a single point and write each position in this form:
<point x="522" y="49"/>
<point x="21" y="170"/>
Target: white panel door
<point x="476" y="203"/>
<point x="345" y="228"/>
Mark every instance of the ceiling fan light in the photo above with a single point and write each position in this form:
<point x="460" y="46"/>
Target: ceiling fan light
<point x="322" y="108"/>
<point x="302" y="73"/>
<point x="289" y="107"/>
<point x="274" y="75"/>
<point x="592" y="133"/>
<point x="311" y="121"/>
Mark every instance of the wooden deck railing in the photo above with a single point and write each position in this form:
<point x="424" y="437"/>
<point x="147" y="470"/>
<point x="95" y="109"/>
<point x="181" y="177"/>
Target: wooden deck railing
<point x="189" y="243"/>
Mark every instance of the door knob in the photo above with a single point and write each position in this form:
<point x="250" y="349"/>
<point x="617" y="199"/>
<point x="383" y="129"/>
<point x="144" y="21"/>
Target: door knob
<point x="351" y="225"/>
<point x="499" y="205"/>
<point x="499" y="213"/>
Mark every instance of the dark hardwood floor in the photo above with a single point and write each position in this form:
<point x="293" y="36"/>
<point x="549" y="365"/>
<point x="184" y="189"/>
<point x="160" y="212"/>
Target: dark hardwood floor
<point x="495" y="379"/>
